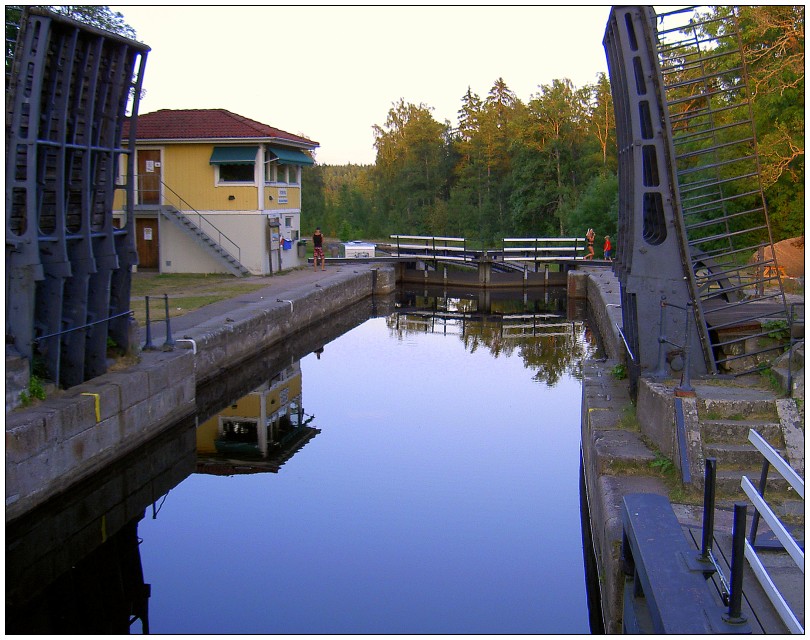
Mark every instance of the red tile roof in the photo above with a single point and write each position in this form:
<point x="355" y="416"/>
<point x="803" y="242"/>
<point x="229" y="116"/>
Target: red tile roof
<point x="186" y="124"/>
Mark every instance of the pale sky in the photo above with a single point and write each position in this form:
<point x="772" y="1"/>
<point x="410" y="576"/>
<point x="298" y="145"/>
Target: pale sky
<point x="332" y="72"/>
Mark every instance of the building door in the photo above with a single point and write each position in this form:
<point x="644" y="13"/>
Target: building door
<point x="149" y="176"/>
<point x="147" y="242"/>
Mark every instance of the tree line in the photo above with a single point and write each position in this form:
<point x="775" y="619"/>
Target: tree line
<point x="548" y="166"/>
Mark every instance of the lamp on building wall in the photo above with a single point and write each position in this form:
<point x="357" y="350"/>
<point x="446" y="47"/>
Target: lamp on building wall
<point x="231" y="197"/>
<point x="269" y="197"/>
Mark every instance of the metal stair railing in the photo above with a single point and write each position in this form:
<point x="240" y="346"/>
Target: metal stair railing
<point x="206" y="230"/>
<point x="717" y="168"/>
<point x="762" y="509"/>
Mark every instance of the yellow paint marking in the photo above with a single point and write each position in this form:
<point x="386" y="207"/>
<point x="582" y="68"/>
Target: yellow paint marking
<point x="98" y="405"/>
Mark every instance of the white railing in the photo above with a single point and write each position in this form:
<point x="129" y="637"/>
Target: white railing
<point x="431" y="247"/>
<point x="787" y="540"/>
<point x="543" y="249"/>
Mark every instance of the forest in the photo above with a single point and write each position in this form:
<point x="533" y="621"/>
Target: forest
<point x="547" y="166"/>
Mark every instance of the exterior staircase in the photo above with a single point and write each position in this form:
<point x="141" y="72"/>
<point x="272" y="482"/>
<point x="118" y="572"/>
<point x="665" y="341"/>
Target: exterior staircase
<point x="724" y="427"/>
<point x="725" y="417"/>
<point x="205" y="240"/>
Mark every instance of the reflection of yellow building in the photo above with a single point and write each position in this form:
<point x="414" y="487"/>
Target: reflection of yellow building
<point x="259" y="432"/>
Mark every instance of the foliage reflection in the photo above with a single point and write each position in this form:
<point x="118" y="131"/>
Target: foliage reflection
<point x="550" y="338"/>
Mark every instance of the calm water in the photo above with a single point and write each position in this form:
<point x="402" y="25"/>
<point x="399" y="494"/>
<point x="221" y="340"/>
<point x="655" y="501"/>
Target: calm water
<point x="440" y="494"/>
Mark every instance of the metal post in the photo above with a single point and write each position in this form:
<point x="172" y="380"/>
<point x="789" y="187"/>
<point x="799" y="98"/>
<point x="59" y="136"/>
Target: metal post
<point x="685" y="389"/>
<point x="737" y="562"/>
<point x="148" y="344"/>
<point x="169" y="342"/>
<point x="763" y="479"/>
<point x="661" y="372"/>
<point x="708" y="507"/>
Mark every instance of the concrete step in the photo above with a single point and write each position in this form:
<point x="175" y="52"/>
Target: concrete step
<point x="760" y="406"/>
<point x="728" y="482"/>
<point x="736" y="431"/>
<point x="736" y="455"/>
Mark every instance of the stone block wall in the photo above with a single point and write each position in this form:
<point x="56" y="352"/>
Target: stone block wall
<point x="74" y="433"/>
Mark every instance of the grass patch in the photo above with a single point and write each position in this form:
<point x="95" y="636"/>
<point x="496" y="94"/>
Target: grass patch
<point x="177" y="307"/>
<point x="186" y="292"/>
<point x="35" y="391"/>
<point x="176" y="284"/>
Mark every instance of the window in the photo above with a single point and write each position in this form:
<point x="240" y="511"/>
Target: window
<point x="275" y="172"/>
<point x="287" y="221"/>
<point x="283" y="165"/>
<point x="236" y="173"/>
<point x="234" y="164"/>
<point x="294" y="174"/>
<point x="281" y="173"/>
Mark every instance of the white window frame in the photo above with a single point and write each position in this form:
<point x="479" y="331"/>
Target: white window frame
<point x="219" y="182"/>
<point x="290" y="172"/>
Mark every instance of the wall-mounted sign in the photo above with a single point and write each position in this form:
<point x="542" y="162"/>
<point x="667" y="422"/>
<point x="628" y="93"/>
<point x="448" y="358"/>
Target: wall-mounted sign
<point x="150" y="166"/>
<point x="147" y="233"/>
<point x="282" y="196"/>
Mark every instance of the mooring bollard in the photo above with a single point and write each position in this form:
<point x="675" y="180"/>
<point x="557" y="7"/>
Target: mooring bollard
<point x="148" y="346"/>
<point x="169" y="342"/>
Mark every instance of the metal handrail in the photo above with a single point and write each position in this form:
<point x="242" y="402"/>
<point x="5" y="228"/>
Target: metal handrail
<point x="685" y="387"/>
<point x="429" y="245"/>
<point x="761" y="508"/>
<point x="219" y="234"/>
<point x="539" y="247"/>
<point x="84" y="326"/>
<point x="79" y="328"/>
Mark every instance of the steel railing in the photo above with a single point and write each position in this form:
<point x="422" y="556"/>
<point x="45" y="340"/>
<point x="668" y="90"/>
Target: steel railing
<point x="718" y="173"/>
<point x="542" y="249"/>
<point x="203" y="224"/>
<point x="764" y="511"/>
<point x="432" y="247"/>
<point x="730" y="587"/>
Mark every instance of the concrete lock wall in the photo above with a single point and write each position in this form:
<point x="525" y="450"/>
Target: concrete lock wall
<point x="222" y="342"/>
<point x="75" y="433"/>
<point x="70" y="436"/>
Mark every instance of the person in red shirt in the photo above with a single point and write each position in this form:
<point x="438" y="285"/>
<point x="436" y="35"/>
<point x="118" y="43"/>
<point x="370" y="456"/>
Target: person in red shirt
<point x="607" y="248"/>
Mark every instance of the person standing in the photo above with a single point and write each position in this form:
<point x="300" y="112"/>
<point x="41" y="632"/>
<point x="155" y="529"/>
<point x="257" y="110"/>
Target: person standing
<point x="317" y="243"/>
<point x="607" y="248"/>
<point x="590" y="236"/>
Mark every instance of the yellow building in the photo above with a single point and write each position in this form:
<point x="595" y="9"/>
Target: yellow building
<point x="216" y="193"/>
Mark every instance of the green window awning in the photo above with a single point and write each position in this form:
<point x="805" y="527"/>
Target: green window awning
<point x="290" y="156"/>
<point x="234" y="155"/>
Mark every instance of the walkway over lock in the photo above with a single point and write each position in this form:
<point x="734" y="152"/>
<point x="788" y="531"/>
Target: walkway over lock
<point x="518" y="262"/>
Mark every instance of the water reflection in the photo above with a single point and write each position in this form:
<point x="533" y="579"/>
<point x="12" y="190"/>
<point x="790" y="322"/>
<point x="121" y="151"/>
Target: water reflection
<point x="394" y="515"/>
<point x="260" y="431"/>
<point x="539" y="325"/>
<point x="74" y="565"/>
